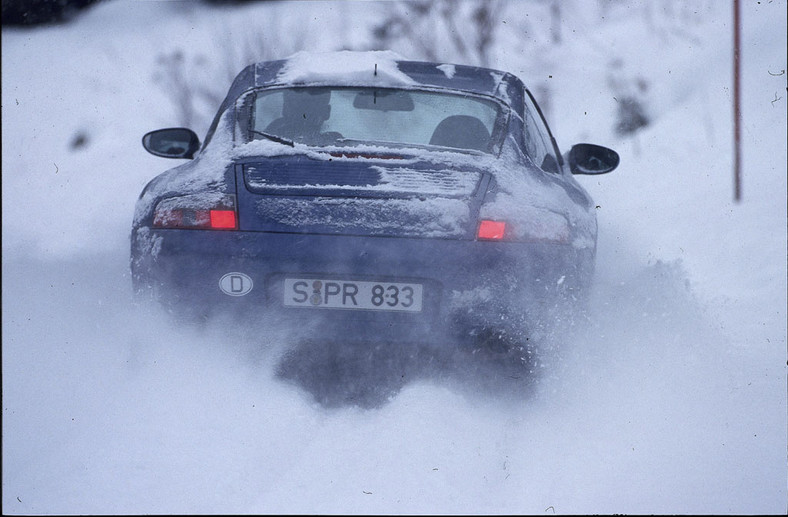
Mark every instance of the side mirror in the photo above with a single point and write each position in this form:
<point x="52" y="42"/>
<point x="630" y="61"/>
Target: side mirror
<point x="176" y="142"/>
<point x="592" y="159"/>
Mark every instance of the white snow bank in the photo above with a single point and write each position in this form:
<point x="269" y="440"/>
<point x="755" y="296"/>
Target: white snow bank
<point x="661" y="407"/>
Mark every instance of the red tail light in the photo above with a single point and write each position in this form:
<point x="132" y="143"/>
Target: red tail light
<point x="223" y="219"/>
<point x="543" y="226"/>
<point x="208" y="212"/>
<point x="491" y="230"/>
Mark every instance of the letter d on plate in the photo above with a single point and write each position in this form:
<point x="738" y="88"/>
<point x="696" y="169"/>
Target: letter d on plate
<point x="235" y="284"/>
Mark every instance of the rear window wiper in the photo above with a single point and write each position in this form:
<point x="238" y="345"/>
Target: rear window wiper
<point x="277" y="139"/>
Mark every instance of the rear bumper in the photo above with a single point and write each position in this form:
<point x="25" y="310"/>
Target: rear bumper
<point x="469" y="287"/>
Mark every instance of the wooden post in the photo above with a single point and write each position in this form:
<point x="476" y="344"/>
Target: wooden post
<point x="736" y="101"/>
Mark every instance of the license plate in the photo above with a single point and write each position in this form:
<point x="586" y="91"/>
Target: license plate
<point x="351" y="294"/>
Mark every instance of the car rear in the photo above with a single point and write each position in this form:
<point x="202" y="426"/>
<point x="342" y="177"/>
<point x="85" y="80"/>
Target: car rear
<point x="385" y="248"/>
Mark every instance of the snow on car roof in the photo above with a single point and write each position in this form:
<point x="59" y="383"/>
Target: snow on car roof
<point x="380" y="68"/>
<point x="347" y="67"/>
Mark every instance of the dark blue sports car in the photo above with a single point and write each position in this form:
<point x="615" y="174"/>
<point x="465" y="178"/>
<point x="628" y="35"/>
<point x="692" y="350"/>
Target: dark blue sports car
<point x="365" y="198"/>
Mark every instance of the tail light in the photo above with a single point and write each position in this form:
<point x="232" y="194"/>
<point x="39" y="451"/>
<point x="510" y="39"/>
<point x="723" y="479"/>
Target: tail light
<point x="223" y="219"/>
<point x="206" y="211"/>
<point x="491" y="230"/>
<point x="538" y="226"/>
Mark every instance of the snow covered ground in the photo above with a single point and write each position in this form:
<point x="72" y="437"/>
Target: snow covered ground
<point x="672" y="400"/>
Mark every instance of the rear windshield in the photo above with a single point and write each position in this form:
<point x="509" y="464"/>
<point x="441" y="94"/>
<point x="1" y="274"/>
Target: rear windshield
<point x="322" y="116"/>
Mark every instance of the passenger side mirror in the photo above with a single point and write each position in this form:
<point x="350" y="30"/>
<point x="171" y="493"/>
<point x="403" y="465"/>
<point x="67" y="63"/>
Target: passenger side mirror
<point x="592" y="159"/>
<point x="176" y="142"/>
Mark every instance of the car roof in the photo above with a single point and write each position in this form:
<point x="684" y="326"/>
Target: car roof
<point x="377" y="69"/>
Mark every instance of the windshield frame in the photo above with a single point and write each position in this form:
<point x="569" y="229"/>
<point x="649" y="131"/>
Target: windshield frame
<point x="245" y="119"/>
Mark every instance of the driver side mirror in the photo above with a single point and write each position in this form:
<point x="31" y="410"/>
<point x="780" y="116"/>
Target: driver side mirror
<point x="592" y="159"/>
<point x="176" y="142"/>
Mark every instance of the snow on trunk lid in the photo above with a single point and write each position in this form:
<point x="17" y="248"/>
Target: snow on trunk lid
<point x="359" y="197"/>
<point x="302" y="175"/>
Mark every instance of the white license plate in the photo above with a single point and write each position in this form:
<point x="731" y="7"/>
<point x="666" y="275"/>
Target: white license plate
<point x="351" y="294"/>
